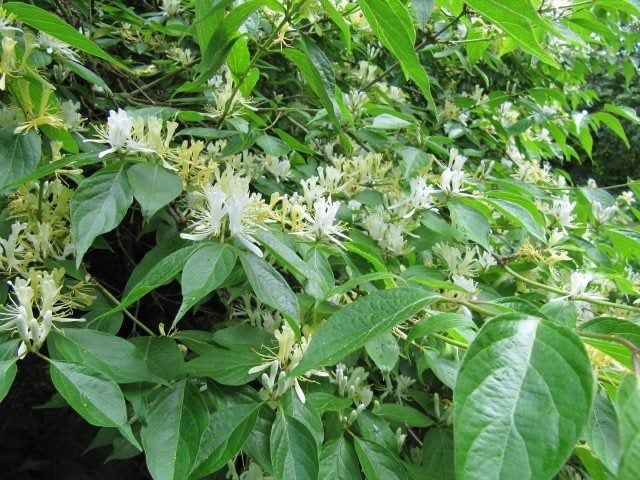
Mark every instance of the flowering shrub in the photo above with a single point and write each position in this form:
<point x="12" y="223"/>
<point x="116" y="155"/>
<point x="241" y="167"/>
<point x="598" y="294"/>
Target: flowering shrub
<point x="380" y="273"/>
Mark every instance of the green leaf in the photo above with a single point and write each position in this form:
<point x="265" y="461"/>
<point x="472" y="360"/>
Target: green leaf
<point x="437" y="453"/>
<point x="625" y="241"/>
<point x="375" y="429"/>
<point x="174" y="426"/>
<point x="160" y="273"/>
<point x="111" y="355"/>
<point x="56" y="27"/>
<point x="519" y="22"/>
<point x="162" y="355"/>
<point x="96" y="397"/>
<point x="317" y="70"/>
<point x="153" y="186"/>
<point x="627" y="329"/>
<point x="338" y="461"/>
<point x="438" y="323"/>
<point x="227" y="432"/>
<point x="563" y="312"/>
<point x="377" y="462"/>
<point x="513" y="415"/>
<point x="8" y="370"/>
<point x="629" y="424"/>
<point x="424" y="9"/>
<point x="97" y="206"/>
<point x="203" y="272"/>
<point x="384" y="351"/>
<point x="294" y="452"/>
<point x="19" y="154"/>
<point x="305" y="414"/>
<point x="391" y="22"/>
<point x="351" y="327"/>
<point x="270" y="288"/>
<point x="225" y="366"/>
<point x="522" y="212"/>
<point x="223" y="39"/>
<point x="613" y="124"/>
<point x="470" y="221"/>
<point x="602" y="433"/>
<point x="337" y="18"/>
<point x="403" y="414"/>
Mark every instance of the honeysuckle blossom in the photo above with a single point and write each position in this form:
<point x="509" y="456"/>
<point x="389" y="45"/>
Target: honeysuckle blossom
<point x="603" y="214"/>
<point x="119" y="135"/>
<point x="35" y="305"/>
<point x="54" y="46"/>
<point x="562" y="209"/>
<point x="578" y="284"/>
<point x="322" y="221"/>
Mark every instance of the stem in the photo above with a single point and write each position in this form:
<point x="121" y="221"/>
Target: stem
<point x="450" y="341"/>
<point x="116" y="302"/>
<point x="559" y="291"/>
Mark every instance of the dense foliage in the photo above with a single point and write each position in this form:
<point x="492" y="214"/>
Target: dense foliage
<point x="379" y="273"/>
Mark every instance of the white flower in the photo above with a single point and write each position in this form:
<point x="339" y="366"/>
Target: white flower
<point x="376" y="225"/>
<point x="53" y="46"/>
<point x="119" y="135"/>
<point x="602" y="215"/>
<point x="11" y="248"/>
<point x="579" y="119"/>
<point x="451" y="181"/>
<point x="394" y="239"/>
<point x="578" y="283"/>
<point x="209" y="222"/>
<point x="236" y="205"/>
<point x="279" y="168"/>
<point x="452" y="178"/>
<point x="33" y="309"/>
<point x="171" y="8"/>
<point x="323" y="221"/>
<point x="627" y="197"/>
<point x="562" y="209"/>
<point x="228" y="200"/>
<point x="421" y="196"/>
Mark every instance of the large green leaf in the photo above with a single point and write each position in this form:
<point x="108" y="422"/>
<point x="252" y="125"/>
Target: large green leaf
<point x="228" y="429"/>
<point x="437" y="453"/>
<point x="392" y="24"/>
<point x="153" y="186"/>
<point x="19" y="154"/>
<point x="470" y="221"/>
<point x="203" y="272"/>
<point x="175" y="423"/>
<point x="8" y="370"/>
<point x="111" y="355"/>
<point x="96" y="397"/>
<point x="338" y="461"/>
<point x="351" y="327"/>
<point x="519" y="21"/>
<point x="160" y="273"/>
<point x="513" y="416"/>
<point x="629" y="424"/>
<point x="225" y="366"/>
<point x="270" y="287"/>
<point x="377" y="462"/>
<point x="98" y="205"/>
<point x="294" y="452"/>
<point x="602" y="433"/>
<point x="56" y="27"/>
